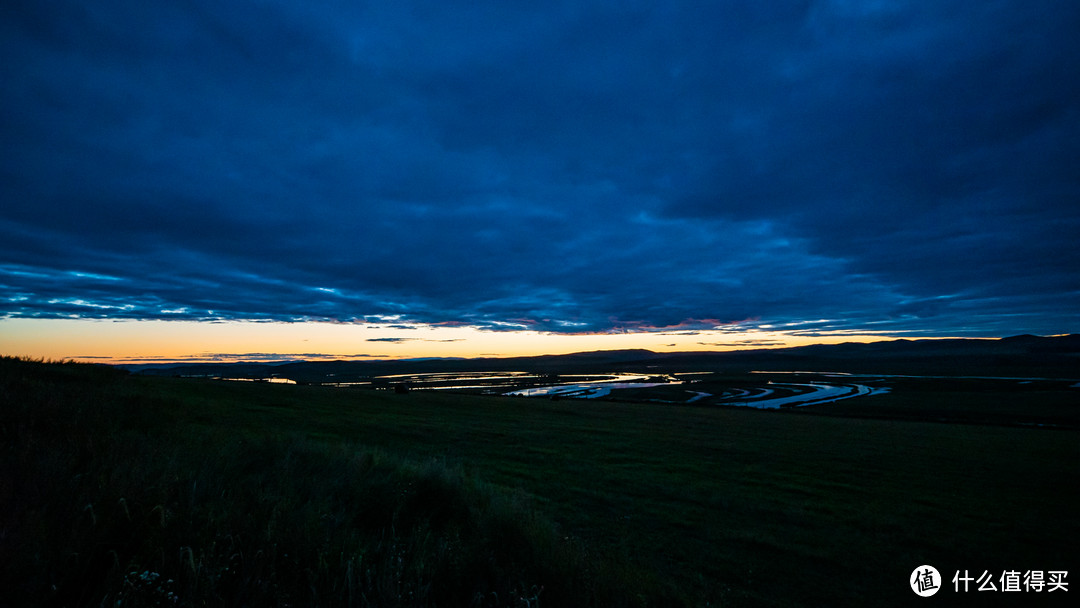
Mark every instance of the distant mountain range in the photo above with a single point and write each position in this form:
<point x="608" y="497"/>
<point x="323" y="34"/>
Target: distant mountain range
<point x="1020" y="356"/>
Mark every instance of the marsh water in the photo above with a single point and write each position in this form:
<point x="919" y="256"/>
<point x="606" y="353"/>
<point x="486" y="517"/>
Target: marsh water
<point x="685" y="387"/>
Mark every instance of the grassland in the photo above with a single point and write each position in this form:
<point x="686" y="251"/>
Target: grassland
<point x="261" y="494"/>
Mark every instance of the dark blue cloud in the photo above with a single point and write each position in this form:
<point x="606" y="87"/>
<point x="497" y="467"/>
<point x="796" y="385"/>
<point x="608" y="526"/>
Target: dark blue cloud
<point x="819" y="167"/>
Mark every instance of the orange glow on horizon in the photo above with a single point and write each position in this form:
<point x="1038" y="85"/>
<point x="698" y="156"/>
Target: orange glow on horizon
<point x="109" y="341"/>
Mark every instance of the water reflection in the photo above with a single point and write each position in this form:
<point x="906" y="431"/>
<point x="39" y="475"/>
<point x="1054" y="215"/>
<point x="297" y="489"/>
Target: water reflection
<point x="592" y="390"/>
<point x="709" y="388"/>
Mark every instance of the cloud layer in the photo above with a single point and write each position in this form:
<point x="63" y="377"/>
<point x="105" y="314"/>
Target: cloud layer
<point x="826" y="166"/>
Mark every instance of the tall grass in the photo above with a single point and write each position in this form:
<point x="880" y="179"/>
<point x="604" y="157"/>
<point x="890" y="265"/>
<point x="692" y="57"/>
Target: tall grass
<point x="114" y="495"/>
<point x="161" y="491"/>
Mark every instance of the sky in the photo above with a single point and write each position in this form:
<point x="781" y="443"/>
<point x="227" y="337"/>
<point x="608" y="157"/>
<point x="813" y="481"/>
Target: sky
<point x="394" y="179"/>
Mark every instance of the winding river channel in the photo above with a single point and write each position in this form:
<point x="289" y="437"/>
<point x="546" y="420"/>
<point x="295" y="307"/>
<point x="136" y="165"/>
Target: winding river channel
<point x="774" y="395"/>
<point x="802" y="394"/>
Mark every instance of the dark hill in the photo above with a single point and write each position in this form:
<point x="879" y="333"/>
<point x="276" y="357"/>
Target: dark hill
<point x="1022" y="356"/>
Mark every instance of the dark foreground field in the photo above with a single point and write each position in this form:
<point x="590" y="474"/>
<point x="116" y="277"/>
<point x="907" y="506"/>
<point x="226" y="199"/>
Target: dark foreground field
<point x="137" y="491"/>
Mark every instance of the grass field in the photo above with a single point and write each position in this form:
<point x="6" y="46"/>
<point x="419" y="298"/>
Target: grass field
<point x="322" y="496"/>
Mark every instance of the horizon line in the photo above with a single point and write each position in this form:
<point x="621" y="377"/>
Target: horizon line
<point x="284" y="358"/>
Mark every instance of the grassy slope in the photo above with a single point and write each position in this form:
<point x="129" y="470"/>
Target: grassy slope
<point x="125" y="491"/>
<point x="733" y="507"/>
